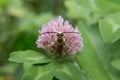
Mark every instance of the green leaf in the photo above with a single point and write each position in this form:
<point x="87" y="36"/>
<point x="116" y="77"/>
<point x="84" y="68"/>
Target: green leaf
<point x="103" y="7"/>
<point x="88" y="4"/>
<point x="107" y="7"/>
<point x="91" y="10"/>
<point x="75" y="10"/>
<point x="116" y="63"/>
<point x="110" y="28"/>
<point x="89" y="58"/>
<point x="28" y="56"/>
<point x="66" y="70"/>
<point x="27" y="66"/>
<point x="85" y="10"/>
<point x="38" y="72"/>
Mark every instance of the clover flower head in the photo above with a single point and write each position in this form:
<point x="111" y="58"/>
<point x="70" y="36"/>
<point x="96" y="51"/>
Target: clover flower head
<point x="59" y="37"/>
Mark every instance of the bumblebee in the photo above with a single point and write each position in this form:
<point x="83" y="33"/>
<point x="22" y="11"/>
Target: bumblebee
<point x="60" y="46"/>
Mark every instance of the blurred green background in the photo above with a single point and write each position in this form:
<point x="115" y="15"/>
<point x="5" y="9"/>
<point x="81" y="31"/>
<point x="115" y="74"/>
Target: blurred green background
<point x="20" y="21"/>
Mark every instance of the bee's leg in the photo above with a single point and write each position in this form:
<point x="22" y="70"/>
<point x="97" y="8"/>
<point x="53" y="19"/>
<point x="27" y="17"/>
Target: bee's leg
<point x="52" y="48"/>
<point x="66" y="47"/>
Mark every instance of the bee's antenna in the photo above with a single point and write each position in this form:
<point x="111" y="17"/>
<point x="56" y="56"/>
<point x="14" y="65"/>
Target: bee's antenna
<point x="72" y="32"/>
<point x="57" y="32"/>
<point x="47" y="32"/>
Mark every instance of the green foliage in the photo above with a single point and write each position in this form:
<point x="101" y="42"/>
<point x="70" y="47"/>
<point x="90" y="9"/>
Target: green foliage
<point x="110" y="27"/>
<point x="28" y="56"/>
<point x="66" y="70"/>
<point x="38" y="66"/>
<point x="38" y="72"/>
<point x="75" y="10"/>
<point x="116" y="64"/>
<point x="90" y="59"/>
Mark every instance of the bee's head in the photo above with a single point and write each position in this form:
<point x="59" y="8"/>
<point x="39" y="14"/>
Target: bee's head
<point x="60" y="35"/>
